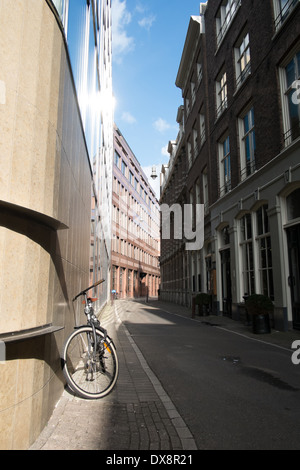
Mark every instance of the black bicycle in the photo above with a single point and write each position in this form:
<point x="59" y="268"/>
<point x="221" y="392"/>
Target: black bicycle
<point x="90" y="361"/>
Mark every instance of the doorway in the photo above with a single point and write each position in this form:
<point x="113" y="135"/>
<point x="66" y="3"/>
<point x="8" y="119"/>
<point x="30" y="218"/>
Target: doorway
<point x="293" y="237"/>
<point x="226" y="283"/>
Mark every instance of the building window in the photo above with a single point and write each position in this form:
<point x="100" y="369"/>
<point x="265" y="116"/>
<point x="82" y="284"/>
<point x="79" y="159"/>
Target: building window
<point x="193" y="93"/>
<point x="265" y="252"/>
<point x="202" y="128"/>
<point x="205" y="190"/>
<point x="187" y="106"/>
<point x="247" y="254"/>
<point x="114" y="278"/>
<point x="199" y="73"/>
<point x="289" y="80"/>
<point x="242" y="59"/>
<point x="225" y="15"/>
<point x="117" y="160"/>
<point x="221" y="93"/>
<point x="189" y="154"/>
<point x="124" y="168"/>
<point x="195" y="142"/>
<point x="282" y="9"/>
<point x="225" y="237"/>
<point x="131" y="177"/>
<point x="224" y="166"/>
<point x="247" y="143"/>
<point x="293" y="207"/>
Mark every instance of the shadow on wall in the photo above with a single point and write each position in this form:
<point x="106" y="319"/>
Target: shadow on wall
<point x="39" y="228"/>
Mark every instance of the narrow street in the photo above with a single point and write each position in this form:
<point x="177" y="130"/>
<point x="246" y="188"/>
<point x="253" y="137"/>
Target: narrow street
<point x="232" y="391"/>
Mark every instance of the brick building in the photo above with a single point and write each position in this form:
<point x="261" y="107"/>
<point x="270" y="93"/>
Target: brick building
<point x="239" y="74"/>
<point x="135" y="237"/>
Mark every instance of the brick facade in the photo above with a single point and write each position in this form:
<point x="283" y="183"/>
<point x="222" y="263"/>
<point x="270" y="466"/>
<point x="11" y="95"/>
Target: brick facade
<point x="244" y="169"/>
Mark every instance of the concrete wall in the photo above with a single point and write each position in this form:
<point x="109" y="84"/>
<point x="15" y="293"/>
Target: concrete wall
<point x="45" y="212"/>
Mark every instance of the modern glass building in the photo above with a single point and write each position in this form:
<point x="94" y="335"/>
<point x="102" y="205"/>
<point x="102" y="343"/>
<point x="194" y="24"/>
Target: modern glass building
<point x="87" y="27"/>
<point x="56" y="153"/>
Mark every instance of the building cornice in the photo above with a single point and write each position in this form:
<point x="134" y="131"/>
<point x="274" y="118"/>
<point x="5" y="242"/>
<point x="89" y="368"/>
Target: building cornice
<point x="195" y="29"/>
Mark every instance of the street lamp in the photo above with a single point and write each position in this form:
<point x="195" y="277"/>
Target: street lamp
<point x="153" y="175"/>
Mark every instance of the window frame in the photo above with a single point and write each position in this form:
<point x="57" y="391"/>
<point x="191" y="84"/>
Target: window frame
<point x="221" y="92"/>
<point x="282" y="12"/>
<point x="247" y="143"/>
<point x="224" y="18"/>
<point x="224" y="162"/>
<point x="242" y="73"/>
<point x="290" y="132"/>
<point x="247" y="254"/>
<point x="264" y="249"/>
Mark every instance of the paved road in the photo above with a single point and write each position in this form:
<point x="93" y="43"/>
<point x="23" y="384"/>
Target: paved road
<point x="232" y="391"/>
<point x="184" y="384"/>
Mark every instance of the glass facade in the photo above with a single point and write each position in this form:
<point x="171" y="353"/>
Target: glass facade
<point x="62" y="8"/>
<point x="87" y="29"/>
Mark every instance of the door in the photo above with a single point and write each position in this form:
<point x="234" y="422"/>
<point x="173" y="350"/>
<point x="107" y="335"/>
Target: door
<point x="293" y="234"/>
<point x="226" y="282"/>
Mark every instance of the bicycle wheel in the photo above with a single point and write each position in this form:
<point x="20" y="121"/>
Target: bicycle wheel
<point x="91" y="369"/>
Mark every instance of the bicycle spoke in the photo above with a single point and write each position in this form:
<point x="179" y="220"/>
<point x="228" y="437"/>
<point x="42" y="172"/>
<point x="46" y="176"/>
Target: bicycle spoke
<point x="91" y="372"/>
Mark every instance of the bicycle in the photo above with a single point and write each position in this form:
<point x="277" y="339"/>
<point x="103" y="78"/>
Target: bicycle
<point x="90" y="362"/>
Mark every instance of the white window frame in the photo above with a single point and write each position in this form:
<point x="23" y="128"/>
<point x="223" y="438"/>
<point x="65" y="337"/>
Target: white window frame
<point x="199" y="73"/>
<point x="264" y="249"/>
<point x="202" y="128"/>
<point x="224" y="158"/>
<point x="247" y="256"/>
<point x="221" y="93"/>
<point x="242" y="59"/>
<point x="224" y="18"/>
<point x="187" y="106"/>
<point x="285" y="92"/>
<point x="205" y="189"/>
<point x="282" y="10"/>
<point x="193" y="93"/>
<point x="247" y="168"/>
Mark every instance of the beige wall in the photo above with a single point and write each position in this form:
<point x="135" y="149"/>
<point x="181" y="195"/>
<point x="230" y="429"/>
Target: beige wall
<point x="44" y="167"/>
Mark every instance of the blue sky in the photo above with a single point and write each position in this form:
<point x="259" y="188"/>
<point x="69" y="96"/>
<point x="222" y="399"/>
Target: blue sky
<point x="148" y="40"/>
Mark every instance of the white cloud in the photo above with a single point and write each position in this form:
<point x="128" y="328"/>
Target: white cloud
<point x="161" y="125"/>
<point x="127" y="117"/>
<point x="121" y="18"/>
<point x="140" y="8"/>
<point x="164" y="151"/>
<point x="147" y="22"/>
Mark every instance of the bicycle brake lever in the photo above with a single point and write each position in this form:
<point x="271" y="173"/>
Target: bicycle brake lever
<point x="78" y="295"/>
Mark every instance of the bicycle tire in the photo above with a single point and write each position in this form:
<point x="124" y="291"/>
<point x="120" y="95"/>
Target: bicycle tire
<point x="78" y="363"/>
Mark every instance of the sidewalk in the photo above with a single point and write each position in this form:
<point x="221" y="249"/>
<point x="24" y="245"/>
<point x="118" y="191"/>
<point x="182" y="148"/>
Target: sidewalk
<point x="137" y="415"/>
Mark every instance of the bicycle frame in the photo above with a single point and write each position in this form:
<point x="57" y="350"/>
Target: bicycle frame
<point x="92" y="321"/>
<point x="91" y="346"/>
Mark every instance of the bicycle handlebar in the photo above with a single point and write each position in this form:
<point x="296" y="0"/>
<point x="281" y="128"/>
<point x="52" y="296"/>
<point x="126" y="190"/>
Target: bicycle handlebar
<point x="91" y="287"/>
